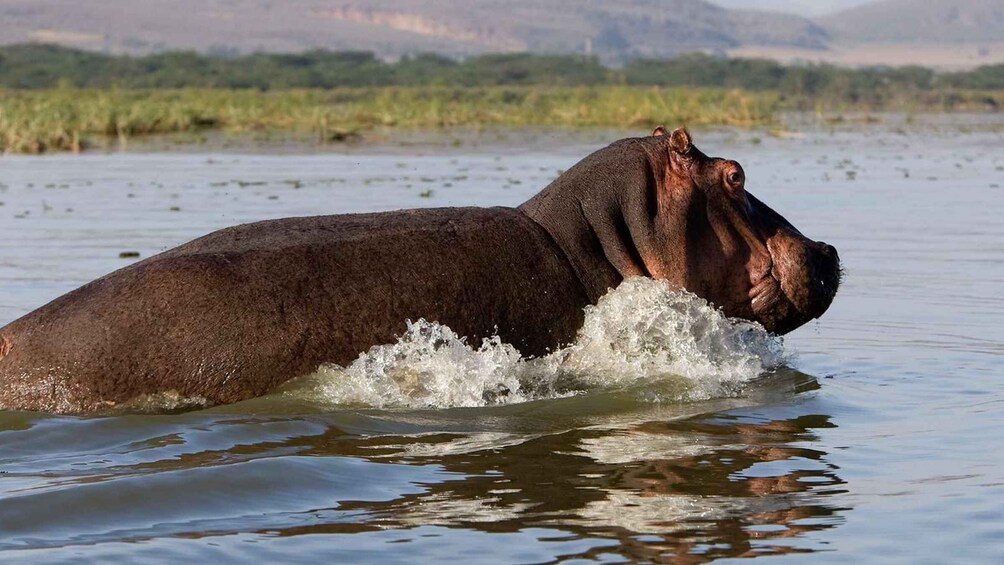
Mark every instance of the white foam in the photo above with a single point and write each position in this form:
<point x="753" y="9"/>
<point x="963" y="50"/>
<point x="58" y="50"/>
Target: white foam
<point x="662" y="344"/>
<point x="645" y="332"/>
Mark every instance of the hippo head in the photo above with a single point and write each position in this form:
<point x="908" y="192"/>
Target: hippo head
<point x="737" y="252"/>
<point x="661" y="208"/>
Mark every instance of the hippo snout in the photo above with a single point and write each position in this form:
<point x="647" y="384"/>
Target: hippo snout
<point x="809" y="275"/>
<point x="826" y="272"/>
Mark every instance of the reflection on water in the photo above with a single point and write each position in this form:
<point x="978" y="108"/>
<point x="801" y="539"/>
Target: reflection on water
<point x="697" y="486"/>
<point x="643" y="481"/>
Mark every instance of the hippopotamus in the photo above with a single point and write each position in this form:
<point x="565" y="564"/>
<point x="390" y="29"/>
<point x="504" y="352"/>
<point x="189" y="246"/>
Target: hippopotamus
<point x="236" y="313"/>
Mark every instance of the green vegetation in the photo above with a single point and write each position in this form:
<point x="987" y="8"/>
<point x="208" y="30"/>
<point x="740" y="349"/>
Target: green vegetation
<point x="65" y="119"/>
<point x="34" y="66"/>
<point x="883" y="88"/>
<point x="63" y="99"/>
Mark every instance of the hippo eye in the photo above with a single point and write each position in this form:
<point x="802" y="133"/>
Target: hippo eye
<point x="735" y="179"/>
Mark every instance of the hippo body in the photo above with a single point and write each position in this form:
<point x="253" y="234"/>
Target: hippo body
<point x="240" y="311"/>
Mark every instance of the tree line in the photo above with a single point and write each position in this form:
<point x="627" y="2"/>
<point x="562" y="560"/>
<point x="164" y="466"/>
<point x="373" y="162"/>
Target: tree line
<point x="39" y="66"/>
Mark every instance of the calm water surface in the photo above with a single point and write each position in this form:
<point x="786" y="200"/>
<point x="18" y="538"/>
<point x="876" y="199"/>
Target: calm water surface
<point x="881" y="440"/>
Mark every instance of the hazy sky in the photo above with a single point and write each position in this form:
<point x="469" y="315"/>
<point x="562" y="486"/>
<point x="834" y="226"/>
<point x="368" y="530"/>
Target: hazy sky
<point x="802" y="7"/>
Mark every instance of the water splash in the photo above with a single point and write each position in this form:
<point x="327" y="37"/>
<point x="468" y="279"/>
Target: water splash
<point x="663" y="344"/>
<point x="429" y="366"/>
<point x="645" y="332"/>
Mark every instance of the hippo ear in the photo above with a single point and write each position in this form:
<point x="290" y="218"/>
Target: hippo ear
<point x="679" y="141"/>
<point x="660" y="131"/>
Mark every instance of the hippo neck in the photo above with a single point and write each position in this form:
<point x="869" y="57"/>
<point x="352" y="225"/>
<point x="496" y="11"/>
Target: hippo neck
<point x="601" y="212"/>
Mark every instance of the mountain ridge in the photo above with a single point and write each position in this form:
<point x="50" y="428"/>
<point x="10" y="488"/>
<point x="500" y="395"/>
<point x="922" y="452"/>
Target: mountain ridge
<point x="950" y="32"/>
<point x="613" y="30"/>
<point x="912" y="21"/>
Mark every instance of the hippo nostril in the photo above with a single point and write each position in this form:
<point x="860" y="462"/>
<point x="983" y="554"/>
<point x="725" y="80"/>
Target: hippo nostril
<point x="828" y="266"/>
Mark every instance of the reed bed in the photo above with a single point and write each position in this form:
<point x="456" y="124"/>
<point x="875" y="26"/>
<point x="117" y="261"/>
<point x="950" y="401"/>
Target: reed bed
<point x="70" y="119"/>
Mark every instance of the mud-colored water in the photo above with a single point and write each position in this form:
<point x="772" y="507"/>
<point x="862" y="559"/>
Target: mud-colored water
<point x="665" y="433"/>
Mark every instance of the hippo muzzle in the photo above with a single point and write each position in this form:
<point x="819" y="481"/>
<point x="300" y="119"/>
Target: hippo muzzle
<point x="802" y="275"/>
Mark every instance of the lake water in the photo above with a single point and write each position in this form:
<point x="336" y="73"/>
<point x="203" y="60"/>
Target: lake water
<point x="877" y="435"/>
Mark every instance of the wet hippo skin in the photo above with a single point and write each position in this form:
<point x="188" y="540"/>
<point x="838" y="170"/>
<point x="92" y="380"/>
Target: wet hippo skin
<point x="240" y="311"/>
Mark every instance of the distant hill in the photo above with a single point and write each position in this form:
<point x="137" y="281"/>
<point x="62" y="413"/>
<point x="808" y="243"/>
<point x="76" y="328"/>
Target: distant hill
<point x="919" y="21"/>
<point x="615" y="30"/>
<point x="950" y="34"/>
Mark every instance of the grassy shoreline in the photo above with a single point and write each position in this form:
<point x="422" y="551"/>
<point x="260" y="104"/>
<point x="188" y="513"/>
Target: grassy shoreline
<point x="70" y="119"/>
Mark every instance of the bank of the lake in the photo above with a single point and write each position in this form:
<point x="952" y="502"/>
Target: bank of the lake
<point x="70" y="119"/>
